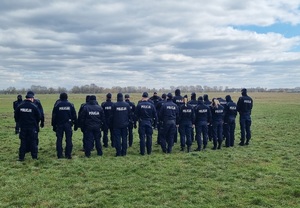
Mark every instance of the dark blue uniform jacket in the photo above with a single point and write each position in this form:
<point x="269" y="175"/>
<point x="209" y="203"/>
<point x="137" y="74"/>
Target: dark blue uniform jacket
<point x="27" y="114"/>
<point x="169" y="111"/>
<point x="230" y="112"/>
<point x="63" y="112"/>
<point x="202" y="113"/>
<point x="244" y="105"/>
<point x="217" y="113"/>
<point x="121" y="114"/>
<point x="92" y="116"/>
<point x="186" y="114"/>
<point x="146" y="111"/>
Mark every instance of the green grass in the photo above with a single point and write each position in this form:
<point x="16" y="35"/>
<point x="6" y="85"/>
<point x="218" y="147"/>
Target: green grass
<point x="264" y="174"/>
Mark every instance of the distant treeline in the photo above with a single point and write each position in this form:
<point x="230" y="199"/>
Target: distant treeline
<point x="94" y="89"/>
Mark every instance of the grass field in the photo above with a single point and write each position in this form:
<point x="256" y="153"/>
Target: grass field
<point x="264" y="174"/>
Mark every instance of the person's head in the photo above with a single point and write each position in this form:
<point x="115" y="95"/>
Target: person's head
<point x="205" y="97"/>
<point x="244" y="91"/>
<point x="63" y="96"/>
<point x="177" y="92"/>
<point x="127" y="97"/>
<point x="119" y="96"/>
<point x="200" y="99"/>
<point x="93" y="98"/>
<point x="145" y="96"/>
<point x="30" y="93"/>
<point x="185" y="100"/>
<point x="169" y="96"/>
<point x="228" y="98"/>
<point x="19" y="97"/>
<point x="164" y="96"/>
<point x="87" y="98"/>
<point x="154" y="94"/>
<point x="108" y="96"/>
<point x="215" y="102"/>
<point x="193" y="96"/>
<point x="30" y="96"/>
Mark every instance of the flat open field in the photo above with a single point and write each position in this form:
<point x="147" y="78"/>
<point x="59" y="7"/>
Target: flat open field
<point x="264" y="174"/>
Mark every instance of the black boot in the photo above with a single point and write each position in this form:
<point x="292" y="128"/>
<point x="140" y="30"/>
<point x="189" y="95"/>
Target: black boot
<point x="188" y="149"/>
<point x="219" y="145"/>
<point x="198" y="149"/>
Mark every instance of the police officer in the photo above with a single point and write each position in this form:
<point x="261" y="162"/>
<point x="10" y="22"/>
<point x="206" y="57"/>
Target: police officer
<point x="120" y="119"/>
<point x="229" y="121"/>
<point x="168" y="115"/>
<point x="87" y="99"/>
<point x="107" y="106"/>
<point x="146" y="115"/>
<point x="159" y="124"/>
<point x="178" y="100"/>
<point x="217" y="112"/>
<point x="202" y="120"/>
<point x="63" y="118"/>
<point x="38" y="103"/>
<point x="15" y="105"/>
<point x="155" y="98"/>
<point x="244" y="107"/>
<point x="186" y="124"/>
<point x="223" y="103"/>
<point x="132" y="124"/>
<point x="92" y="118"/>
<point x="207" y="102"/>
<point x="193" y="102"/>
<point x="28" y="116"/>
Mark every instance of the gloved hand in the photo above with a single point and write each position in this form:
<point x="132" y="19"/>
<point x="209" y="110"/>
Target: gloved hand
<point x="54" y="128"/>
<point x="42" y="124"/>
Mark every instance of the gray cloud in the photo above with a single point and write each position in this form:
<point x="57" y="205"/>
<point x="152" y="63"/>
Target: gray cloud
<point x="154" y="43"/>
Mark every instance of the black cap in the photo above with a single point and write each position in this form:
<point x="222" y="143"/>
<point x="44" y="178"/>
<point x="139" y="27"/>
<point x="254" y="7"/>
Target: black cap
<point x="127" y="96"/>
<point x="145" y="94"/>
<point x="93" y="97"/>
<point x="19" y="97"/>
<point x="177" y="92"/>
<point x="108" y="95"/>
<point x="200" y="98"/>
<point x="119" y="96"/>
<point x="87" y="98"/>
<point x="244" y="91"/>
<point x="63" y="96"/>
<point x="30" y="94"/>
<point x="164" y="96"/>
<point x="169" y="95"/>
<point x="228" y="98"/>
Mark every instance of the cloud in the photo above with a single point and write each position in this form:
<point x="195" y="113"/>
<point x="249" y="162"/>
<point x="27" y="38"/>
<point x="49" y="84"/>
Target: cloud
<point x="148" y="43"/>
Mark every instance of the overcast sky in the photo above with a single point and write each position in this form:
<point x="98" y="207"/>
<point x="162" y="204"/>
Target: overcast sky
<point x="154" y="43"/>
